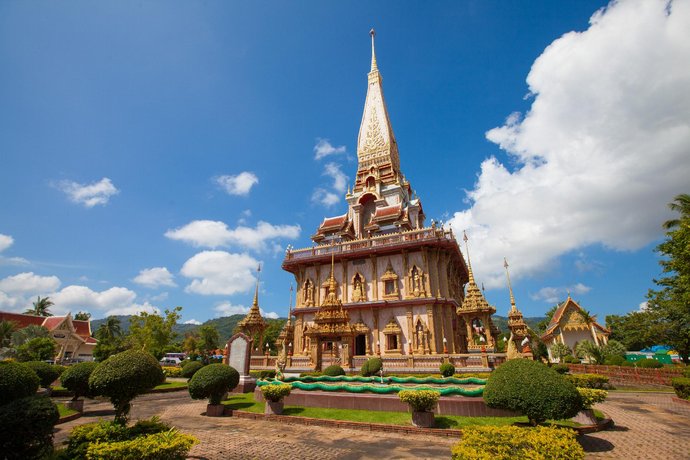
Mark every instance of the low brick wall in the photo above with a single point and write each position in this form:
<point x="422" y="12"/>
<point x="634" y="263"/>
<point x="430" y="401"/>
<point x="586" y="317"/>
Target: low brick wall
<point x="629" y="375"/>
<point x="448" y="405"/>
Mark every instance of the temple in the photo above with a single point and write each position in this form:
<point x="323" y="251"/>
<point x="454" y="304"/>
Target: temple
<point x="378" y="281"/>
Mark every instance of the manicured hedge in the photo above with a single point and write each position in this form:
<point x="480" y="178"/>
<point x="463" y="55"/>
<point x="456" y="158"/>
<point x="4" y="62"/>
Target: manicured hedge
<point x="47" y="373"/>
<point x="591" y="396"/>
<point x="146" y="439"/>
<point x="172" y="371"/>
<point x="447" y="369"/>
<point x="531" y="388"/>
<point x="560" y="368"/>
<point x="649" y="363"/>
<point x="588" y="380"/>
<point x="168" y="445"/>
<point x="511" y="442"/>
<point x="615" y="360"/>
<point x="76" y="379"/>
<point x="681" y="385"/>
<point x="190" y="369"/>
<point x="263" y="374"/>
<point x="16" y="381"/>
<point x="26" y="428"/>
<point x="213" y="381"/>
<point x="371" y="367"/>
<point x="123" y="377"/>
<point x="334" y="371"/>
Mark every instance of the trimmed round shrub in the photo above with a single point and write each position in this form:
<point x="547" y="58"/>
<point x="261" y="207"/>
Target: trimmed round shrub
<point x="532" y="389"/>
<point x="47" y="373"/>
<point x="334" y="371"/>
<point x="681" y="385"/>
<point x="420" y="400"/>
<point x="190" y="369"/>
<point x="372" y="366"/>
<point x="560" y="368"/>
<point x="628" y="364"/>
<point x="570" y="359"/>
<point x="123" y="377"/>
<point x="447" y="369"/>
<point x="588" y="380"/>
<point x="16" y="381"/>
<point x="212" y="382"/>
<point x="615" y="360"/>
<point x="76" y="379"/>
<point x="26" y="427"/>
<point x="276" y="393"/>
<point x="264" y="374"/>
<point x="503" y="442"/>
<point x="649" y="363"/>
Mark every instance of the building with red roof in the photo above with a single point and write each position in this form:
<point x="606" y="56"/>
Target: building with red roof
<point x="73" y="336"/>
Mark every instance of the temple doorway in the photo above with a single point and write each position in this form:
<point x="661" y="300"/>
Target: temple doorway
<point x="360" y="345"/>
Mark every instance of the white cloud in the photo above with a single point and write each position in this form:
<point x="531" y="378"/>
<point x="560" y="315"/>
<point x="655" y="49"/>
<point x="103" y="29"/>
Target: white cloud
<point x="324" y="197"/>
<point x="213" y="234"/>
<point x="133" y="309"/>
<point x="5" y="241"/>
<point x="241" y="184"/>
<point x="557" y="294"/>
<point x="29" y="283"/>
<point x="602" y="150"/>
<point x="333" y="171"/>
<point x="323" y="148"/>
<point x="643" y="306"/>
<point x="228" y="309"/>
<point x="160" y="297"/>
<point x="114" y="299"/>
<point x="7" y="302"/>
<point x="219" y="273"/>
<point x="89" y="195"/>
<point x="192" y="321"/>
<point x="155" y="277"/>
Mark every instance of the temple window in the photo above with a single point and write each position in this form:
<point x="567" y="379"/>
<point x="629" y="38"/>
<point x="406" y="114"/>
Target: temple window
<point x="358" y="291"/>
<point x="390" y="283"/>
<point x="393" y="334"/>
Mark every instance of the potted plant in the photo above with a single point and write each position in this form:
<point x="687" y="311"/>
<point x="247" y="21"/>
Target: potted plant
<point x="590" y="396"/>
<point x="274" y="394"/>
<point x="213" y="382"/>
<point x="76" y="380"/>
<point x="422" y="404"/>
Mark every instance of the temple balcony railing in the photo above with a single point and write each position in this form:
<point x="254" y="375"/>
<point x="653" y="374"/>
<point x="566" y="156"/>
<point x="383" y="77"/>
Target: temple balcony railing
<point x="429" y="234"/>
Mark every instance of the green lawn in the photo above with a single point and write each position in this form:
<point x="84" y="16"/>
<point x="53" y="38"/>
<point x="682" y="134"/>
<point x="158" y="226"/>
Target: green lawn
<point x="171" y="385"/>
<point x="245" y="402"/>
<point x="64" y="410"/>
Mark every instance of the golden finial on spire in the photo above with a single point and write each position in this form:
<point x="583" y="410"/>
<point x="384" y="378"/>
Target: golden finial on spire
<point x="256" y="290"/>
<point x="331" y="280"/>
<point x="510" y="286"/>
<point x="374" y="67"/>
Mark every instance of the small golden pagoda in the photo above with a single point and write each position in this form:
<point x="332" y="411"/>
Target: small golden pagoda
<point x="517" y="326"/>
<point x="476" y="312"/>
<point x="253" y="324"/>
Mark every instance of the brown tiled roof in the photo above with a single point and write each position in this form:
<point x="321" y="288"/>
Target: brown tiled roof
<point x="330" y="223"/>
<point x="81" y="328"/>
<point x="21" y="320"/>
<point x="388" y="212"/>
<point x="556" y="318"/>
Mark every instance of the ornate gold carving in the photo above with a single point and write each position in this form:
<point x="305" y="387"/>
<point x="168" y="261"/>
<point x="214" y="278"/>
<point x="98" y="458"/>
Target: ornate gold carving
<point x="390" y="283"/>
<point x="308" y="293"/>
<point x="374" y="141"/>
<point x="358" y="290"/>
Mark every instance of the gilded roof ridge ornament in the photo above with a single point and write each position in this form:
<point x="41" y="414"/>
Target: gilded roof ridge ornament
<point x="469" y="263"/>
<point x="510" y="286"/>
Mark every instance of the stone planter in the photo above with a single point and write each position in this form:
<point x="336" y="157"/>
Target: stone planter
<point x="585" y="417"/>
<point x="274" y="407"/>
<point x="422" y="419"/>
<point x="215" y="410"/>
<point x="77" y="405"/>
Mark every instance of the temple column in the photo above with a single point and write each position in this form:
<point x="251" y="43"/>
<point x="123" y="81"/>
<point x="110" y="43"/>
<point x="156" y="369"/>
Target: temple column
<point x="374" y="279"/>
<point x="344" y="282"/>
<point x="432" y="327"/>
<point x="410" y="330"/>
<point x="318" y="288"/>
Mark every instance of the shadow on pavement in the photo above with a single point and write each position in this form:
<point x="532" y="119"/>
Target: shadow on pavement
<point x="592" y="444"/>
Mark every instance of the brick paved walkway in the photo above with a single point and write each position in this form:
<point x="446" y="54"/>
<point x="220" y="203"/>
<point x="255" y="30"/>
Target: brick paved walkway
<point x="648" y="426"/>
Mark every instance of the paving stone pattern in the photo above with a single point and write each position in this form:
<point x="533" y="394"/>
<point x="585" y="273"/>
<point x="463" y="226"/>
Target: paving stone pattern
<point x="648" y="426"/>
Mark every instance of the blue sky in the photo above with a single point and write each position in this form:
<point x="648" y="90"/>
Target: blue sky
<point x="153" y="153"/>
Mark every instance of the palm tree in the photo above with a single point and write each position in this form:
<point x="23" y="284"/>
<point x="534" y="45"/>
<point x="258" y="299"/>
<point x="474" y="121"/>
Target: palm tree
<point x="681" y="203"/>
<point x="41" y="307"/>
<point x="589" y="320"/>
<point x="110" y="330"/>
<point x="6" y="330"/>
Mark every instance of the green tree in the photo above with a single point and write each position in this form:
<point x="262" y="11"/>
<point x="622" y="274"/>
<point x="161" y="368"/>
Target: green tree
<point x="151" y="332"/>
<point x="543" y="324"/>
<point x="6" y="330"/>
<point x="669" y="306"/>
<point x="41" y="307"/>
<point x="37" y="349"/>
<point x="636" y="330"/>
<point x="23" y="335"/>
<point x="590" y="350"/>
<point x="82" y="316"/>
<point x="560" y="350"/>
<point x="208" y="340"/>
<point x="190" y="344"/>
<point x="110" y="339"/>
